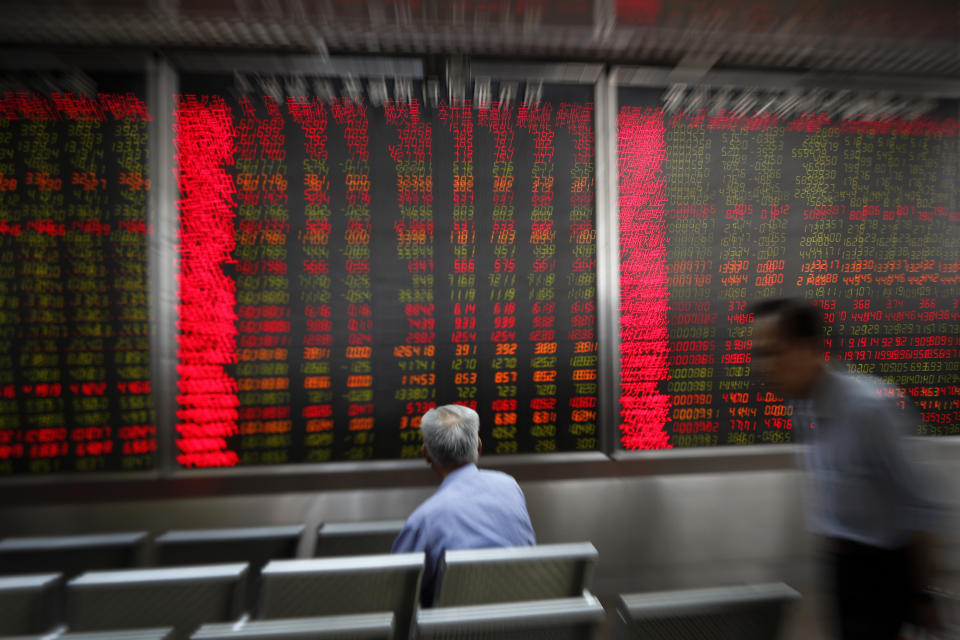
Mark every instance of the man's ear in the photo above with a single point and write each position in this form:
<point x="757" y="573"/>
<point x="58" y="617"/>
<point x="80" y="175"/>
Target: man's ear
<point x="423" y="450"/>
<point x="479" y="447"/>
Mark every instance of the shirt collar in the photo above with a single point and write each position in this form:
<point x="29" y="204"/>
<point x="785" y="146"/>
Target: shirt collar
<point x="468" y="469"/>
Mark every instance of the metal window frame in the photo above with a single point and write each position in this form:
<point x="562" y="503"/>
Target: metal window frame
<point x="166" y="480"/>
<point x="919" y="86"/>
<point x="642" y="76"/>
<point x="362" y="68"/>
<point x="134" y="62"/>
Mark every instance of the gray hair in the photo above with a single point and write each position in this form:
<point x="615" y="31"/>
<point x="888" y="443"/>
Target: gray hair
<point x="451" y="434"/>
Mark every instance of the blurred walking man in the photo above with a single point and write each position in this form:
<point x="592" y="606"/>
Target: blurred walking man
<point x="867" y="500"/>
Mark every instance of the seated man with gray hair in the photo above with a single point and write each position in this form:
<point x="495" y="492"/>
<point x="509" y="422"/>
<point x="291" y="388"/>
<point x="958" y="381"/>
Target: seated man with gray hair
<point x="473" y="508"/>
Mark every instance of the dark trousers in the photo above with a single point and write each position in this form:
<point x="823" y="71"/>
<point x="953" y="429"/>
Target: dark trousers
<point x="872" y="589"/>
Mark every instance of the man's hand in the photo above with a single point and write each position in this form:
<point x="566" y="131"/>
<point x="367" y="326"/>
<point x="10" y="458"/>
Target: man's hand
<point x="923" y="608"/>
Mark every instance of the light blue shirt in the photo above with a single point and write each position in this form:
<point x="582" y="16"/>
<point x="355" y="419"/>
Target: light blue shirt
<point x="472" y="509"/>
<point x="864" y="485"/>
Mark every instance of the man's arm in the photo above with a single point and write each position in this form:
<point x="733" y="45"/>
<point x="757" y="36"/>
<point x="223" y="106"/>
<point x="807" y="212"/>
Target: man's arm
<point x="917" y="502"/>
<point x="916" y="495"/>
<point x="413" y="537"/>
<point x="410" y="538"/>
<point x="529" y="536"/>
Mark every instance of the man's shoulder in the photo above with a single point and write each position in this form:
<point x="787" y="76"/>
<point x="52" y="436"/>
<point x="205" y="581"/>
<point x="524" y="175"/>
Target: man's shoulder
<point x="498" y="477"/>
<point x="858" y="390"/>
<point x="868" y="400"/>
<point x="427" y="507"/>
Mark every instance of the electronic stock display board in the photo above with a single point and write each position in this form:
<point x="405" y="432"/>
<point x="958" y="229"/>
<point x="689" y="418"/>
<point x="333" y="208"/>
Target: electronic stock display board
<point x="348" y="263"/>
<point x="345" y="264"/>
<point x="74" y="345"/>
<point x="860" y="216"/>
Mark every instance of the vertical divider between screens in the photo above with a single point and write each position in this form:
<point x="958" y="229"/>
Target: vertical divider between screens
<point x="604" y="19"/>
<point x="162" y="260"/>
<point x="608" y="289"/>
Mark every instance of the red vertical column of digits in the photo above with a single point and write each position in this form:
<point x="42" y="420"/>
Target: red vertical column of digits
<point x="263" y="293"/>
<point x="206" y="316"/>
<point x="644" y="293"/>
<point x="40" y="236"/>
<point x="582" y="288"/>
<point x="12" y="448"/>
<point x="316" y="286"/>
<point x="352" y="116"/>
<point x="538" y="120"/>
<point x="415" y="357"/>
<point x="463" y="241"/>
<point x="135" y="431"/>
<point x="503" y="281"/>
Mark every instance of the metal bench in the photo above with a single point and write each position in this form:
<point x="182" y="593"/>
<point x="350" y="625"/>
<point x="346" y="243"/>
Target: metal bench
<point x="369" y="626"/>
<point x="254" y="545"/>
<point x="181" y="597"/>
<point x="30" y="603"/>
<point x="71" y="555"/>
<point x="512" y="574"/>
<point x="352" y="584"/>
<point x="743" y="612"/>
<point x="557" y="619"/>
<point x="356" y="538"/>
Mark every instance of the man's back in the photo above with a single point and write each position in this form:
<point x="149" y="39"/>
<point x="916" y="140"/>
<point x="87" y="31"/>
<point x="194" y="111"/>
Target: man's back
<point x="472" y="509"/>
<point x="866" y="486"/>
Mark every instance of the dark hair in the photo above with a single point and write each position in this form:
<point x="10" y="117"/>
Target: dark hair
<point x="797" y="320"/>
